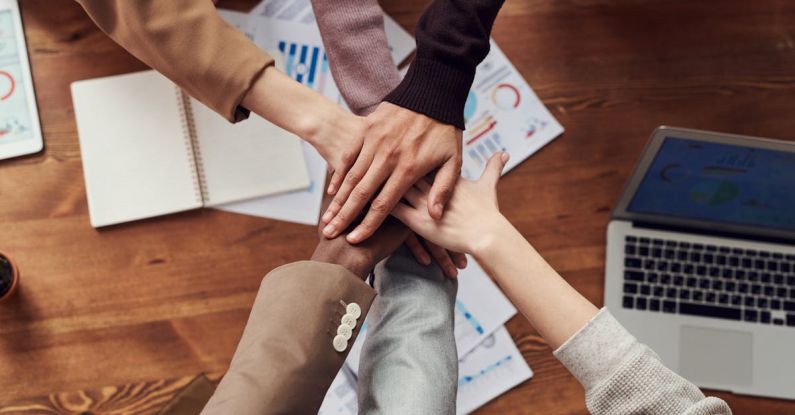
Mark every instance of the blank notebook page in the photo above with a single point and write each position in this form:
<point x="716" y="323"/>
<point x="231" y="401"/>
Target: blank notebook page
<point x="248" y="159"/>
<point x="133" y="144"/>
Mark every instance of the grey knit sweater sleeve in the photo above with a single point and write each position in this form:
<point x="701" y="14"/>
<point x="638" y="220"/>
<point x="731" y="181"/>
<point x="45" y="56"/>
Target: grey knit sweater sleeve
<point x="622" y="376"/>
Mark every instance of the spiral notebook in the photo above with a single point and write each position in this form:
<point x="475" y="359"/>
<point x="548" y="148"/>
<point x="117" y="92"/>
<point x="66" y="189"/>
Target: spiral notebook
<point x="148" y="150"/>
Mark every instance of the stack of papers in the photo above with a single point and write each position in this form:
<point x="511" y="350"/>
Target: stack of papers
<point x="489" y="363"/>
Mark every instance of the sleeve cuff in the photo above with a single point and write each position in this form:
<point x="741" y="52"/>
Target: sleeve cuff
<point x="596" y="350"/>
<point x="434" y="89"/>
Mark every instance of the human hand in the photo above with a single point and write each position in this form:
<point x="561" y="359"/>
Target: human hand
<point x="360" y="259"/>
<point x="472" y="216"/>
<point x="450" y="262"/>
<point x="400" y="147"/>
<point x="335" y="133"/>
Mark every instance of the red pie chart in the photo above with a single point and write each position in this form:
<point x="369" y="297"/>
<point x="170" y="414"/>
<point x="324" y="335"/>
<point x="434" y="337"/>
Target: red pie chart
<point x="7" y="85"/>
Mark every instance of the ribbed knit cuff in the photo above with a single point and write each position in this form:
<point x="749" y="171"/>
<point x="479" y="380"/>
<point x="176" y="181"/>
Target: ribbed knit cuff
<point x="434" y="89"/>
<point x="597" y="349"/>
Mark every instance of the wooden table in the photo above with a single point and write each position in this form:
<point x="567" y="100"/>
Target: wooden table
<point x="148" y="305"/>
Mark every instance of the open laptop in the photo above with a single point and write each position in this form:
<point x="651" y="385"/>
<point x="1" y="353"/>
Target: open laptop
<point x="701" y="259"/>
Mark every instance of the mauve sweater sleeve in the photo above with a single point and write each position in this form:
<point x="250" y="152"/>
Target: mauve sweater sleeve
<point x="358" y="52"/>
<point x="452" y="39"/>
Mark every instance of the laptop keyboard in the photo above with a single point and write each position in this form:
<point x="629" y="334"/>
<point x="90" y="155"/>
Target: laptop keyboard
<point x="709" y="281"/>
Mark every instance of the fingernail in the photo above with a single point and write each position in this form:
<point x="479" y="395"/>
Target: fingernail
<point x="504" y="157"/>
<point x="329" y="230"/>
<point x="438" y="208"/>
<point x="462" y="263"/>
<point x="353" y="237"/>
<point x="327" y="216"/>
<point x="426" y="261"/>
<point x="331" y="189"/>
<point x="452" y="272"/>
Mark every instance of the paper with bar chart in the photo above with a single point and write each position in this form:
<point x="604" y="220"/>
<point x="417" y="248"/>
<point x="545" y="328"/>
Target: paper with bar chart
<point x="502" y="113"/>
<point x="401" y="43"/>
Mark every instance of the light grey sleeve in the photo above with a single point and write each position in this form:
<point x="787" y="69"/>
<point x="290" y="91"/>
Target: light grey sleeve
<point x="621" y="375"/>
<point x="409" y="363"/>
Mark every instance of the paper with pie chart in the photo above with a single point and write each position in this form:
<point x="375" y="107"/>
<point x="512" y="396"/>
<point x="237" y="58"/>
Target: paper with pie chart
<point x="502" y="113"/>
<point x="15" y="124"/>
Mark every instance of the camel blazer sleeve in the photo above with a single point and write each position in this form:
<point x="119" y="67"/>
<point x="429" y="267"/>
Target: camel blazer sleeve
<point x="189" y="43"/>
<point x="285" y="361"/>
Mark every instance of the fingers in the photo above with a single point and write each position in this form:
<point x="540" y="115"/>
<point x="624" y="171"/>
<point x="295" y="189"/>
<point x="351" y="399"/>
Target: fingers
<point x="491" y="175"/>
<point x="395" y="187"/>
<point x="348" y="183"/>
<point x="443" y="259"/>
<point x="459" y="259"/>
<point x="418" y="250"/>
<point x="336" y="180"/>
<point x="410" y="216"/>
<point x="442" y="189"/>
<point x="415" y="197"/>
<point x="354" y="204"/>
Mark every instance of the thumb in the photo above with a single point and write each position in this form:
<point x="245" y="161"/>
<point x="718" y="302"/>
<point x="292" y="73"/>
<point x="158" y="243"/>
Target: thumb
<point x="442" y="188"/>
<point x="491" y="175"/>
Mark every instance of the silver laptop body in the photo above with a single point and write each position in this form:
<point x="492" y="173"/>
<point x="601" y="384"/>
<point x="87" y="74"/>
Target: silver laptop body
<point x="701" y="259"/>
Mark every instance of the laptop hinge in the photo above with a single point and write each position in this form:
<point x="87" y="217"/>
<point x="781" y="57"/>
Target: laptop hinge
<point x="714" y="232"/>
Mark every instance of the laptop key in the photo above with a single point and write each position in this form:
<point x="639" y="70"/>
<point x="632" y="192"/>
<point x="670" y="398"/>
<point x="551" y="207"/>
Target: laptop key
<point x="698" y="295"/>
<point x="628" y="302"/>
<point x="703" y="310"/>
<point x="737" y="299"/>
<point x="761" y="302"/>
<point x="630" y="249"/>
<point x="669" y="306"/>
<point x="645" y="289"/>
<point x="791" y="319"/>
<point x="631" y="275"/>
<point x="778" y="321"/>
<point x="723" y="298"/>
<point x="631" y="262"/>
<point x="654" y="304"/>
<point x="640" y="303"/>
<point x="789" y="305"/>
<point x="775" y="304"/>
<point x="630" y="288"/>
<point x="764" y="317"/>
<point x="750" y="315"/>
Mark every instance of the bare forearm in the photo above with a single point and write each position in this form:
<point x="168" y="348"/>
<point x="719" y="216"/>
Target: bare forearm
<point x="551" y="305"/>
<point x="291" y="105"/>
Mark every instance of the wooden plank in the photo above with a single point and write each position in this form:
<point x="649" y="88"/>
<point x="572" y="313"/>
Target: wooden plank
<point x="149" y="305"/>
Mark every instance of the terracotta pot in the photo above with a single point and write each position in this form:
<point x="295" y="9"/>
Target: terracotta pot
<point x="6" y="265"/>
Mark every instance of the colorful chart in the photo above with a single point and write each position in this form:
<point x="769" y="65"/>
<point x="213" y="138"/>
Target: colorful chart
<point x="306" y="64"/>
<point x="506" y="96"/>
<point x="7" y="85"/>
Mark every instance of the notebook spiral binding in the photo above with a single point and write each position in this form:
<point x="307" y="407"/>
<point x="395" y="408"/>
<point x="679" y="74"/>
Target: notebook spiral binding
<point x="194" y="152"/>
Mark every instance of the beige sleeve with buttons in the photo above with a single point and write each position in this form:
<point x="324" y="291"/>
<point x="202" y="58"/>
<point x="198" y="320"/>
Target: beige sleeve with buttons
<point x="304" y="319"/>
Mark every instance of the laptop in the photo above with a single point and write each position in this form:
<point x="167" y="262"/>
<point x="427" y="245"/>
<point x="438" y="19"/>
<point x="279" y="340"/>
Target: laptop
<point x="701" y="259"/>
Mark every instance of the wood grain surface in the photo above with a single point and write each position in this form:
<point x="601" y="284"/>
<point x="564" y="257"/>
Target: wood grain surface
<point x="151" y="304"/>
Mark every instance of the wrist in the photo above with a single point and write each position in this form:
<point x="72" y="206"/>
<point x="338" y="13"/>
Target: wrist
<point x="356" y="264"/>
<point x="492" y="242"/>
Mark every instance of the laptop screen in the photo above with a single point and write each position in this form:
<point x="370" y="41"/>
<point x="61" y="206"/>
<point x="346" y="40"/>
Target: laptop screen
<point x="720" y="183"/>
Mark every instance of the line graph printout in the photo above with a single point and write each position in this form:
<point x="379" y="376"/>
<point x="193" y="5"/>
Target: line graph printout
<point x="15" y="120"/>
<point x="490" y="370"/>
<point x="502" y="113"/>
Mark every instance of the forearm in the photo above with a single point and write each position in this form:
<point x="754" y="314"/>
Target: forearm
<point x="358" y="52"/>
<point x="188" y="42"/>
<point x="294" y="107"/>
<point x="549" y="303"/>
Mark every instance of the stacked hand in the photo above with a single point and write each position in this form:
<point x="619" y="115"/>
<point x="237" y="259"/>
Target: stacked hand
<point x="396" y="148"/>
<point x="471" y="218"/>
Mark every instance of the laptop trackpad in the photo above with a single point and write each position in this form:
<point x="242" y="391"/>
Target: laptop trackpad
<point x="715" y="356"/>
